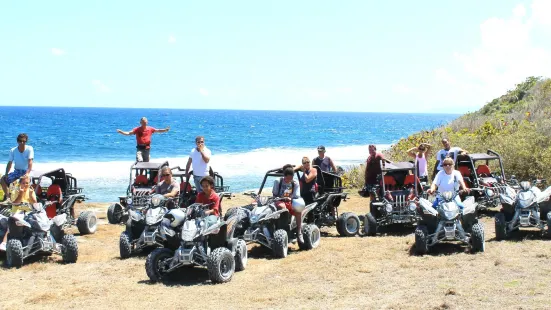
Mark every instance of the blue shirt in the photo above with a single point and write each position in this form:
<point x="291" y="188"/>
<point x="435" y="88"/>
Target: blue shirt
<point x="21" y="159"/>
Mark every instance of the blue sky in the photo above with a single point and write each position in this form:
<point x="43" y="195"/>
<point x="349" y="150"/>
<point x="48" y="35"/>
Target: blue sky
<point x="395" y="56"/>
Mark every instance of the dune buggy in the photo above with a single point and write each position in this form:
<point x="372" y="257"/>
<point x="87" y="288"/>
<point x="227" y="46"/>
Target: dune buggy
<point x="59" y="191"/>
<point x="476" y="170"/>
<point x="143" y="176"/>
<point x="394" y="198"/>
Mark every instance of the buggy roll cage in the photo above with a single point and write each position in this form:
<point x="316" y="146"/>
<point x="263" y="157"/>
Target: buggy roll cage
<point x="406" y="166"/>
<point x="151" y="171"/>
<point x="219" y="187"/>
<point x="66" y="181"/>
<point x="324" y="179"/>
<point x="489" y="155"/>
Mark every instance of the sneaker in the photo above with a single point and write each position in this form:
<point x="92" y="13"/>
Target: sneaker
<point x="300" y="238"/>
<point x="3" y="246"/>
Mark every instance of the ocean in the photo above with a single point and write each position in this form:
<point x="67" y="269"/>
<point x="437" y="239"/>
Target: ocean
<point x="244" y="144"/>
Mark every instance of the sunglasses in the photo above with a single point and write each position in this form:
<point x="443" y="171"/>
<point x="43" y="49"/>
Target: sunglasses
<point x="165" y="175"/>
<point x="22" y="141"/>
<point x="199" y="141"/>
<point x="23" y="183"/>
<point x="305" y="162"/>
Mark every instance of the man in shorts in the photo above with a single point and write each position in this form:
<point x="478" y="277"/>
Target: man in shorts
<point x="324" y="162"/>
<point x="22" y="156"/>
<point x="199" y="159"/>
<point x="143" y="138"/>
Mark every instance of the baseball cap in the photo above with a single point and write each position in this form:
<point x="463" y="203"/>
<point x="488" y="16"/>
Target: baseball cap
<point x="321" y="148"/>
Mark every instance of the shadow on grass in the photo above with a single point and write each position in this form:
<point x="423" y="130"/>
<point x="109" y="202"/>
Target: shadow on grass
<point x="521" y="235"/>
<point x="184" y="276"/>
<point x="262" y="252"/>
<point x="442" y="249"/>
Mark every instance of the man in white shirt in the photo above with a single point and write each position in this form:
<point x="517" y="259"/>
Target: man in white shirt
<point x="447" y="151"/>
<point x="22" y="156"/>
<point x="199" y="159"/>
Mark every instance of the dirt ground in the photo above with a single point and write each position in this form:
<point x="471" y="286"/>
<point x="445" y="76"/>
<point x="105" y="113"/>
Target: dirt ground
<point x="343" y="273"/>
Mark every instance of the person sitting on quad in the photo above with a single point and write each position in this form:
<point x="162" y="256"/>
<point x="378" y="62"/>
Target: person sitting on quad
<point x="25" y="194"/>
<point x="447" y="151"/>
<point x="22" y="157"/>
<point x="324" y="162"/>
<point x="207" y="196"/>
<point x="168" y="187"/>
<point x="420" y="155"/>
<point x="307" y="181"/>
<point x="448" y="180"/>
<point x="288" y="189"/>
<point x="372" y="169"/>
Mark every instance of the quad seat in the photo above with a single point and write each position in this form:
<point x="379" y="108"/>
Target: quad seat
<point x="390" y="183"/>
<point x="483" y="170"/>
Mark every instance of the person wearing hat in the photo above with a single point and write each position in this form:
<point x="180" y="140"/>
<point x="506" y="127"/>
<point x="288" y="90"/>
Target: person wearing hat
<point x="324" y="162"/>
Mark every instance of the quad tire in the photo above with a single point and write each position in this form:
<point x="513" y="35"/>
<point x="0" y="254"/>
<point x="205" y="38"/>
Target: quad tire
<point x="69" y="249"/>
<point x="348" y="224"/>
<point x="87" y="223"/>
<point x="5" y="212"/>
<point x="153" y="263"/>
<point x="312" y="236"/>
<point x="370" y="225"/>
<point x="241" y="255"/>
<point x="280" y="243"/>
<point x="220" y="265"/>
<point x="421" y="240"/>
<point x="57" y="232"/>
<point x="125" y="245"/>
<point x="477" y="238"/>
<point x="14" y="253"/>
<point x="549" y="225"/>
<point x="501" y="226"/>
<point x="114" y="213"/>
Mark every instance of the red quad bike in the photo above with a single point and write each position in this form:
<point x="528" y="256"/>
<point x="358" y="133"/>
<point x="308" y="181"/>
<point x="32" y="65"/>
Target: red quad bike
<point x="59" y="191"/>
<point x="395" y="198"/>
<point x="477" y="174"/>
<point x="143" y="177"/>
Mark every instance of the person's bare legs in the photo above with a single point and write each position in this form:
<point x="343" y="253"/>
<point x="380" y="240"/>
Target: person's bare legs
<point x="4" y="188"/>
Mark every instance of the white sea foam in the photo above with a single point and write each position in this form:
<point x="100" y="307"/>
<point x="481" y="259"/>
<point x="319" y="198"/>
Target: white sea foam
<point x="240" y="170"/>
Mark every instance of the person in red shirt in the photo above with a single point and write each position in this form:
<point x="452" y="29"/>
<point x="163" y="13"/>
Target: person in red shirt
<point x="143" y="138"/>
<point x="208" y="195"/>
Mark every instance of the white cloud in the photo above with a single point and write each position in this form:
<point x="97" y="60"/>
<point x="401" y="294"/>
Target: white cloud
<point x="203" y="91"/>
<point x="171" y="39"/>
<point x="100" y="87"/>
<point x="57" y="51"/>
<point x="510" y="50"/>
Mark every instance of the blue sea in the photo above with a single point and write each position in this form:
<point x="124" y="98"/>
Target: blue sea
<point x="244" y="144"/>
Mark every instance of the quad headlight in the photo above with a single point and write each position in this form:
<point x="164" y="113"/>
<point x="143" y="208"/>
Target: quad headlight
<point x="156" y="200"/>
<point x="525" y="185"/>
<point x="388" y="208"/>
<point x="412" y="206"/>
<point x="489" y="192"/>
<point x="129" y="201"/>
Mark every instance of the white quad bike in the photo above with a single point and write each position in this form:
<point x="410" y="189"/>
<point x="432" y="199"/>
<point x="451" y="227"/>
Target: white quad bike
<point x="448" y="223"/>
<point x="522" y="209"/>
<point x="29" y="235"/>
<point x="212" y="246"/>
<point x="273" y="228"/>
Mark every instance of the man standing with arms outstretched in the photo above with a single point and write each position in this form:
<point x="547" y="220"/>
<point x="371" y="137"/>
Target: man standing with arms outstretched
<point x="22" y="156"/>
<point x="199" y="158"/>
<point x="143" y="138"/>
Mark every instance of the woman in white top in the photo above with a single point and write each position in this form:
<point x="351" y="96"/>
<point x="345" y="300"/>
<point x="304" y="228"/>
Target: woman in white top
<point x="448" y="180"/>
<point x="420" y="155"/>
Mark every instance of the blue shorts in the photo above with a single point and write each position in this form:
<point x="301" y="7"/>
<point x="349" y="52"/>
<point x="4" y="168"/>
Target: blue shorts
<point x="16" y="174"/>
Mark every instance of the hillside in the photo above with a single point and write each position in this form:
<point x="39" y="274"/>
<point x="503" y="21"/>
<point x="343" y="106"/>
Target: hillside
<point x="517" y="125"/>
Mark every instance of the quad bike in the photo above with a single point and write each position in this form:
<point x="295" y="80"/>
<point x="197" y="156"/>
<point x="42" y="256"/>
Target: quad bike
<point x="448" y="223"/>
<point x="188" y="192"/>
<point x="29" y="235"/>
<point x="143" y="176"/>
<point x="142" y="228"/>
<point x="523" y="209"/>
<point x="394" y="199"/>
<point x="213" y="247"/>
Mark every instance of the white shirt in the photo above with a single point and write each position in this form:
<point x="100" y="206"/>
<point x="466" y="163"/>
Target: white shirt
<point x="21" y="160"/>
<point x="199" y="166"/>
<point x="448" y="182"/>
<point x="442" y="154"/>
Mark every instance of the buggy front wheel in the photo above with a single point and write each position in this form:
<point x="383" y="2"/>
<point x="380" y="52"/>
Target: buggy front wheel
<point x="114" y="213"/>
<point x="370" y="225"/>
<point x="87" y="223"/>
<point x="348" y="224"/>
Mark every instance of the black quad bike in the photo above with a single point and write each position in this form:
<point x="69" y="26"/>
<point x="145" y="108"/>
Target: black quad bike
<point x="29" y="235"/>
<point x="142" y="228"/>
<point x="212" y="246"/>
<point x="395" y="198"/>
<point x="143" y="177"/>
<point x="188" y="192"/>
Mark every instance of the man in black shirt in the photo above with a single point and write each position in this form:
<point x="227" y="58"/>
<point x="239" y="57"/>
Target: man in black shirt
<point x="324" y="162"/>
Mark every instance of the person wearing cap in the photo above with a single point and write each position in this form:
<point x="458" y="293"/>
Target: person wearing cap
<point x="324" y="162"/>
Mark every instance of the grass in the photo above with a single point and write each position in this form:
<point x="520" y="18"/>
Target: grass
<point x="343" y="273"/>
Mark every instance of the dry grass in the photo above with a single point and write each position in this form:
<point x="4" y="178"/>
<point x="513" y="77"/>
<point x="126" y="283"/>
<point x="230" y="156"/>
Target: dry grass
<point x="343" y="273"/>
